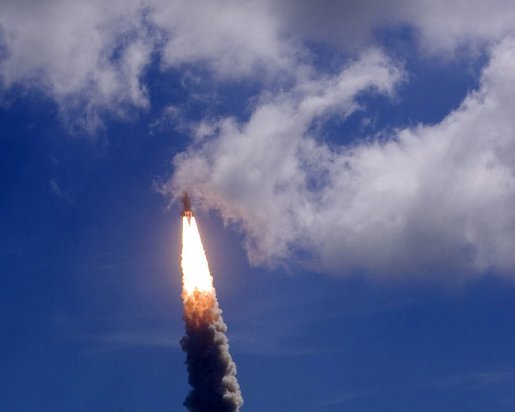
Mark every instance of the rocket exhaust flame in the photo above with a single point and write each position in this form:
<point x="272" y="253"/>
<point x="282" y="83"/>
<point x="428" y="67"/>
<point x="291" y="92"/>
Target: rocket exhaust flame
<point x="212" y="372"/>
<point x="195" y="269"/>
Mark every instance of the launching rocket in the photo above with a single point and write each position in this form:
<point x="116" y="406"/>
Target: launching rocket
<point x="211" y="370"/>
<point x="186" y="206"/>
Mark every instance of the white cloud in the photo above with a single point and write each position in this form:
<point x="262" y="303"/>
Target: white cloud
<point x="68" y="50"/>
<point x="431" y="198"/>
<point x="90" y="56"/>
<point x="447" y="25"/>
<point x="265" y="163"/>
<point x="233" y="37"/>
<point x="441" y="26"/>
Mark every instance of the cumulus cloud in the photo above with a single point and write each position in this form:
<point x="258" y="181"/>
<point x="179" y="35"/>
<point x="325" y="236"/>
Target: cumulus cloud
<point x="270" y="162"/>
<point x="440" y="25"/>
<point x="233" y="38"/>
<point x="425" y="197"/>
<point x="429" y="198"/>
<point x="450" y="25"/>
<point x="90" y="57"/>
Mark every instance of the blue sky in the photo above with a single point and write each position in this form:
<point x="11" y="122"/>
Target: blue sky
<point x="352" y="166"/>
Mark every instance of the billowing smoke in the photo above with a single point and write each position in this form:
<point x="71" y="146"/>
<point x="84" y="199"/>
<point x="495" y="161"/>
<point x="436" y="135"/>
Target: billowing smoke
<point x="212" y="372"/>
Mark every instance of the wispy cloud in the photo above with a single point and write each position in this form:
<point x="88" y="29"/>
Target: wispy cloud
<point x="56" y="190"/>
<point x="479" y="379"/>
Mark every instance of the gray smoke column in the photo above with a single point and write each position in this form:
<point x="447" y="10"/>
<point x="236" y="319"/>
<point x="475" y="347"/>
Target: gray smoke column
<point x="212" y="372"/>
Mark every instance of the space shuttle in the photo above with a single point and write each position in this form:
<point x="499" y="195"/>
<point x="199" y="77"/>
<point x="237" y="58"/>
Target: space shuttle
<point x="186" y="206"/>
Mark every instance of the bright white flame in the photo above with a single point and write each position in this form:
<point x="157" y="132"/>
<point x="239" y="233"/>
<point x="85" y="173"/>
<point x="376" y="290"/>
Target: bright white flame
<point x="195" y="270"/>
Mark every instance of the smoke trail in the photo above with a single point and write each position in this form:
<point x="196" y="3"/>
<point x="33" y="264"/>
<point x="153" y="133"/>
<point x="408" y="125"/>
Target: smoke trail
<point x="212" y="372"/>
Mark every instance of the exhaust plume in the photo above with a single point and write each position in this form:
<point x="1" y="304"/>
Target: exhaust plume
<point x="212" y="372"/>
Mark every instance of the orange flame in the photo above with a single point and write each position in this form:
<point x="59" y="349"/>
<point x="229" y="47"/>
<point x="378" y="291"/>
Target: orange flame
<point x="195" y="269"/>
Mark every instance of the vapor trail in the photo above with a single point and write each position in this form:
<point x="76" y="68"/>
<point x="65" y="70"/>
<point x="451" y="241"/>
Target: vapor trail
<point x="212" y="372"/>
